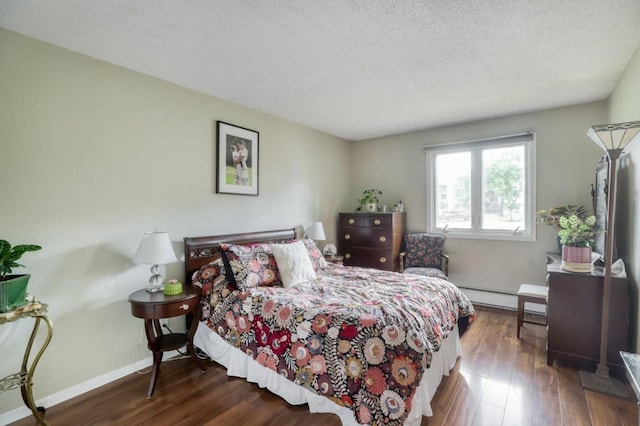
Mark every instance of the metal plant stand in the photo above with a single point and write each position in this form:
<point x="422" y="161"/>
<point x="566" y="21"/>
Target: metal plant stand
<point x="24" y="378"/>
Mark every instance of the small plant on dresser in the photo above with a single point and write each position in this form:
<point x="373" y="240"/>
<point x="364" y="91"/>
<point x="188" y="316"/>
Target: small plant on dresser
<point x="369" y="200"/>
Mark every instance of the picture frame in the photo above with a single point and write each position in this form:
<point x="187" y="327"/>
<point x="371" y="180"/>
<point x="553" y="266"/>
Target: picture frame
<point x="237" y="159"/>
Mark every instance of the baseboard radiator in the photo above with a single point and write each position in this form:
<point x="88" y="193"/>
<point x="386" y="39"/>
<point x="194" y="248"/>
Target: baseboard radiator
<point x="498" y="299"/>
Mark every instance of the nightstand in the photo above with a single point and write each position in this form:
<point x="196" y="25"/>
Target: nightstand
<point x="335" y="260"/>
<point x="152" y="307"/>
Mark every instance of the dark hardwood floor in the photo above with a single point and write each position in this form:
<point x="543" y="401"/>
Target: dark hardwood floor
<point x="499" y="380"/>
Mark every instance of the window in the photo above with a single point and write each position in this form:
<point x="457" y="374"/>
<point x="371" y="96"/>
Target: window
<point x="483" y="188"/>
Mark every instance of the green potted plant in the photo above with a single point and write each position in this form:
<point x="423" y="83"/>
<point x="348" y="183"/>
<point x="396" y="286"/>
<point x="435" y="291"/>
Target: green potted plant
<point x="13" y="288"/>
<point x="577" y="235"/>
<point x="369" y="200"/>
<point x="577" y="232"/>
<point x="552" y="217"/>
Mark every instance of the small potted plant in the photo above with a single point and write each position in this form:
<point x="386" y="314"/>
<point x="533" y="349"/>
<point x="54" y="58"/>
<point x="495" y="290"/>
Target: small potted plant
<point x="577" y="235"/>
<point x="369" y="200"/>
<point x="13" y="288"/>
<point x="552" y="217"/>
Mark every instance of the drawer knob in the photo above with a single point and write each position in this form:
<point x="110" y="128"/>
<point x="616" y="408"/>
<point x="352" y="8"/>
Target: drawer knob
<point x="383" y="239"/>
<point x="383" y="259"/>
<point x="347" y="255"/>
<point x="347" y="236"/>
<point x="351" y="221"/>
<point x="184" y="307"/>
<point x="376" y="222"/>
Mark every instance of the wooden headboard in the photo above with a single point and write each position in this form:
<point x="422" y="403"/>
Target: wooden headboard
<point x="198" y="251"/>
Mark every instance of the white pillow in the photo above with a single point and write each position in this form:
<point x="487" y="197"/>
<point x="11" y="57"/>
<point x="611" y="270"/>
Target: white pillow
<point x="293" y="263"/>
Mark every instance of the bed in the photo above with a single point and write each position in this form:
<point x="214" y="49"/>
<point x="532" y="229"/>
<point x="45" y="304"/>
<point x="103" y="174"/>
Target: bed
<point x="369" y="346"/>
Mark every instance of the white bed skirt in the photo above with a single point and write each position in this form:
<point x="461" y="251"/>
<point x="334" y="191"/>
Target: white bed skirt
<point x="239" y="364"/>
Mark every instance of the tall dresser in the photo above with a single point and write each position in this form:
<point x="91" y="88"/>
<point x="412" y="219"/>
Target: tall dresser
<point x="371" y="240"/>
<point x="574" y="315"/>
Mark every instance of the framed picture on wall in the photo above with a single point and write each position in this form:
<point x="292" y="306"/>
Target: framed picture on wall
<point x="237" y="159"/>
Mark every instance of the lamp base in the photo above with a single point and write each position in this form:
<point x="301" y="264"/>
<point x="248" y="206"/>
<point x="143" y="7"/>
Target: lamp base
<point x="606" y="385"/>
<point x="155" y="282"/>
<point x="154" y="288"/>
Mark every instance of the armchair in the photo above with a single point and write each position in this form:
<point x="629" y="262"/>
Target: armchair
<point x="423" y="255"/>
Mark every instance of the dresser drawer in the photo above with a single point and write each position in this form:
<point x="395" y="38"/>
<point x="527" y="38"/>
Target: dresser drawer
<point x="366" y="237"/>
<point x="156" y="305"/>
<point x="350" y="219"/>
<point x="176" y="309"/>
<point x="369" y="258"/>
<point x="378" y="221"/>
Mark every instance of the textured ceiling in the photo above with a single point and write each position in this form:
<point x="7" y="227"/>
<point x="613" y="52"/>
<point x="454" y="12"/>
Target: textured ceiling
<point x="361" y="68"/>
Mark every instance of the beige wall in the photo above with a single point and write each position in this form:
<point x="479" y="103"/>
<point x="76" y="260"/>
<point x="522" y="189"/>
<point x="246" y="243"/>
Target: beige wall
<point x="624" y="105"/>
<point x="566" y="160"/>
<point x="91" y="157"/>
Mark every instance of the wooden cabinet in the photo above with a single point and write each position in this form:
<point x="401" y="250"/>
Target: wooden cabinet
<point x="574" y="310"/>
<point x="371" y="240"/>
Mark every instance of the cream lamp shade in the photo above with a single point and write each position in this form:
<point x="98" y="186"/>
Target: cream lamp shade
<point x="155" y="249"/>
<point x="315" y="231"/>
<point x="614" y="136"/>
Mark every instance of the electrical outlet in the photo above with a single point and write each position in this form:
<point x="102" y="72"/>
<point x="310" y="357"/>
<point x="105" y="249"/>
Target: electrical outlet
<point x="164" y="323"/>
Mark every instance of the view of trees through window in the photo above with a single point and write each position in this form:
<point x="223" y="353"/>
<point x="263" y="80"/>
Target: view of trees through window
<point x="493" y="177"/>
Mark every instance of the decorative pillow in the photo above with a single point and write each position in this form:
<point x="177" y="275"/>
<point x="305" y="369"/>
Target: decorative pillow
<point x="227" y="258"/>
<point x="423" y="250"/>
<point x="315" y="255"/>
<point x="294" y="263"/>
<point x="209" y="275"/>
<point x="253" y="265"/>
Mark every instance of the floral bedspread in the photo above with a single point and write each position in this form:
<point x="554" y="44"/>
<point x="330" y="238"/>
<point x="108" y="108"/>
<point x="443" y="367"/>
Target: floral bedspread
<point x="361" y="337"/>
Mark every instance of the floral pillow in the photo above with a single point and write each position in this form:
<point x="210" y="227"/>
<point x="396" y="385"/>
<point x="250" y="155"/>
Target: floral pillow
<point x="317" y="259"/>
<point x="253" y="265"/>
<point x="209" y="275"/>
<point x="423" y="250"/>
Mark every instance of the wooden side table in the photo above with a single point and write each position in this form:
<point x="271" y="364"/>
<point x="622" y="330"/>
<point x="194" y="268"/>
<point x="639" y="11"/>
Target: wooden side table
<point x="152" y="307"/>
<point x="24" y="378"/>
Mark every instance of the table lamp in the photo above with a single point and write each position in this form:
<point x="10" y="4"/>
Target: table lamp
<point x="315" y="231"/>
<point x="155" y="249"/>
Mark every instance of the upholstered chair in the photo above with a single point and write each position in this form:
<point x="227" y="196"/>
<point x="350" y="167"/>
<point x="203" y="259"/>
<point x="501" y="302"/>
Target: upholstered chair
<point x="423" y="255"/>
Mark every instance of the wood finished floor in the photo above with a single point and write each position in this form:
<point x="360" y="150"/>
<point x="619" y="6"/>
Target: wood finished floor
<point x="499" y="380"/>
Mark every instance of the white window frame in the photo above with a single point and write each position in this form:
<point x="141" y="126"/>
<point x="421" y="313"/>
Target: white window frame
<point x="475" y="147"/>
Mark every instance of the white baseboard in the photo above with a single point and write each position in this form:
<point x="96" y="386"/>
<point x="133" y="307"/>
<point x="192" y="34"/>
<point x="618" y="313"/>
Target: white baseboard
<point x="481" y="297"/>
<point x="72" y="392"/>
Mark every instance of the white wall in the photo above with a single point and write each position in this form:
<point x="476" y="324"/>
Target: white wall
<point x="91" y="157"/>
<point x="624" y="105"/>
<point x="566" y="161"/>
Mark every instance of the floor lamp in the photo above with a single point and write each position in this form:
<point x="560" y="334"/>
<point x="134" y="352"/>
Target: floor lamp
<point x="612" y="138"/>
